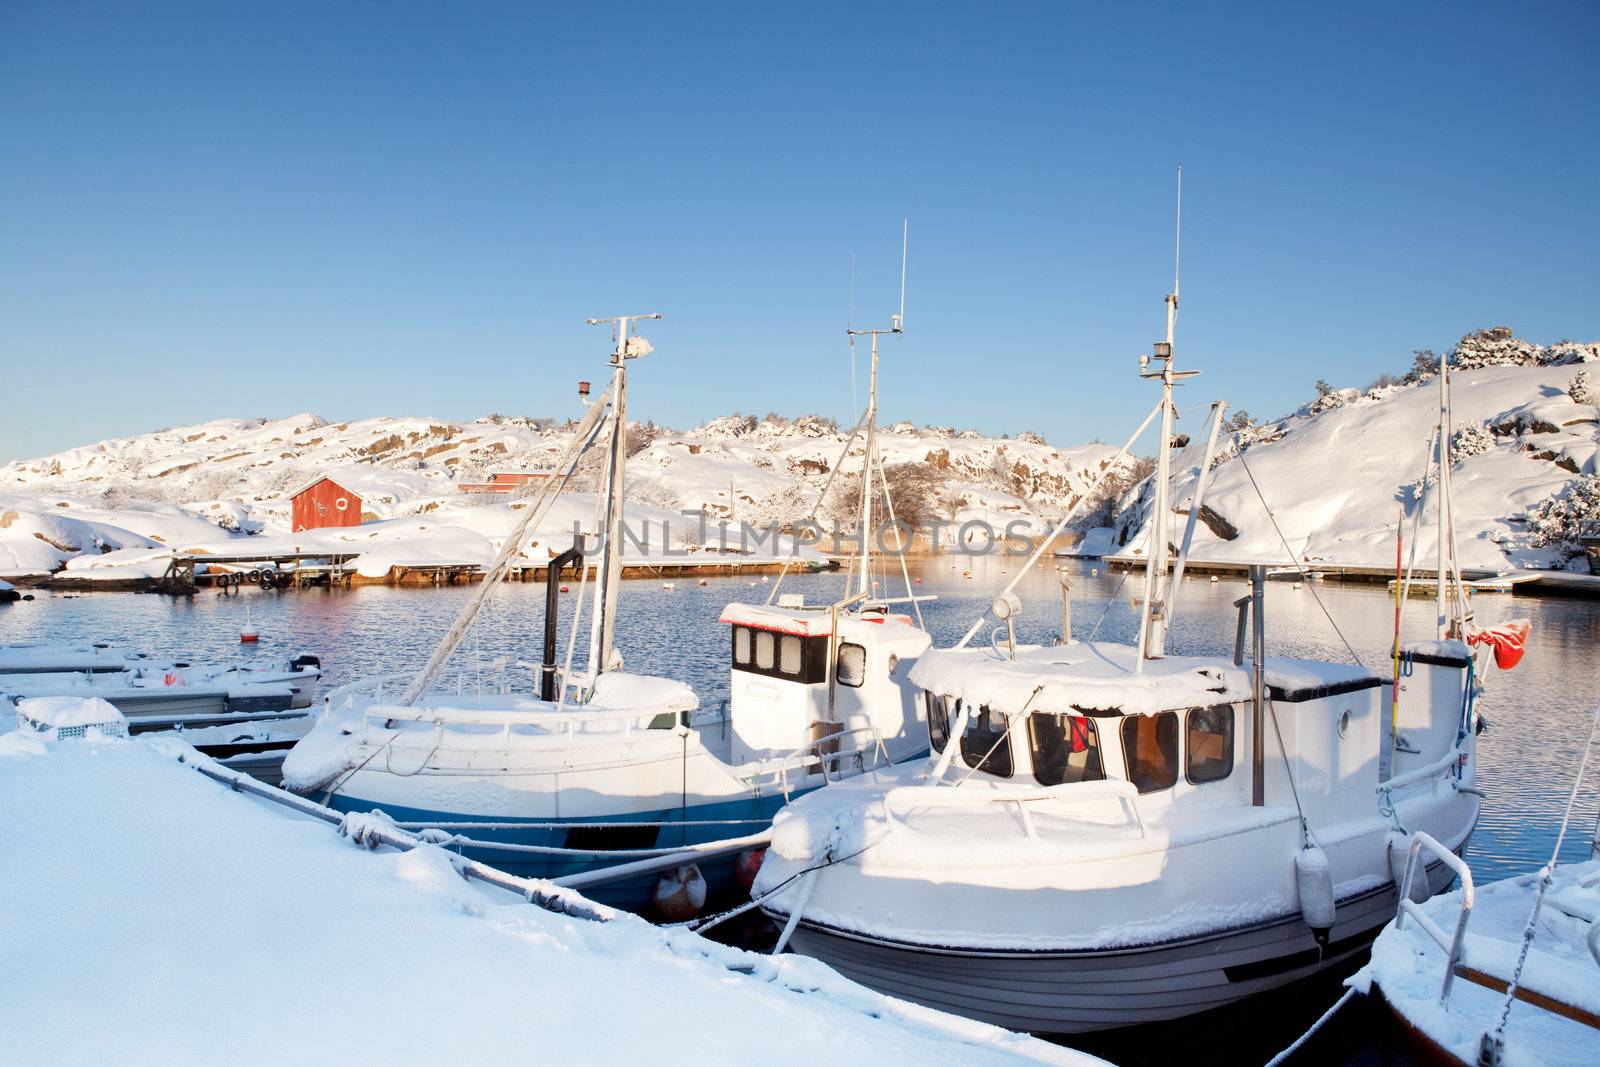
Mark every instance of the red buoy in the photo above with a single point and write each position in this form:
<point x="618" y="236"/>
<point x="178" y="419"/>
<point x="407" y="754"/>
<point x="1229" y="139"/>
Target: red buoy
<point x="1509" y="641"/>
<point x="748" y="866"/>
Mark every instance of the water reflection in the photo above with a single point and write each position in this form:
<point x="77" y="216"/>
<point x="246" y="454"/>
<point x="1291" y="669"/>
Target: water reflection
<point x="1538" y="713"/>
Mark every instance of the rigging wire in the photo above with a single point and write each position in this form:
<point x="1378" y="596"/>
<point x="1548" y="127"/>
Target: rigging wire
<point x="1311" y="586"/>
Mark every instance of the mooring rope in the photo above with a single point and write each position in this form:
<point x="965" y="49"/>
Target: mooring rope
<point x="1300" y="1041"/>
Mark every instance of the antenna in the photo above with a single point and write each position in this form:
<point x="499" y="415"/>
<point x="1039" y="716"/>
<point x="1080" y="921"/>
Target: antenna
<point x="905" y="237"/>
<point x="850" y="331"/>
<point x="1177" y="240"/>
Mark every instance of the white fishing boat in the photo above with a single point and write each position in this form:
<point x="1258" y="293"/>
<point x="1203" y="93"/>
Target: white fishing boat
<point x="1504" y="973"/>
<point x="1107" y="834"/>
<point x="592" y="765"/>
<point x="246" y="716"/>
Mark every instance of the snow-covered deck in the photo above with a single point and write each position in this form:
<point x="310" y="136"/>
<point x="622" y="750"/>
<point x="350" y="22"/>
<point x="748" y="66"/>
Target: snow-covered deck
<point x="1408" y="969"/>
<point x="161" y="918"/>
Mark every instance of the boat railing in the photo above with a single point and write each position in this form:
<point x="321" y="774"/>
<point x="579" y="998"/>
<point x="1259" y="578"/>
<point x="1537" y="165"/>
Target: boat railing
<point x="1438" y="768"/>
<point x="939" y="796"/>
<point x="812" y="759"/>
<point x="547" y="720"/>
<point x="1451" y="944"/>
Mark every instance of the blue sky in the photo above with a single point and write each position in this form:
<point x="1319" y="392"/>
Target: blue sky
<point x="256" y="209"/>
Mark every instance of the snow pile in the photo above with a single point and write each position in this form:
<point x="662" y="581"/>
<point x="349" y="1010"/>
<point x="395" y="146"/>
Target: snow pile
<point x="1524" y="439"/>
<point x="363" y="956"/>
<point x="59" y="713"/>
<point x="1408" y="969"/>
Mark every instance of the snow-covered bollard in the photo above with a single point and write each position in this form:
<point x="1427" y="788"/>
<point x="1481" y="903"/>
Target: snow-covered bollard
<point x="61" y="718"/>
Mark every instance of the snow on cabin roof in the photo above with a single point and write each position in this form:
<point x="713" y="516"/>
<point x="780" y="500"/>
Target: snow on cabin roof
<point x="867" y="627"/>
<point x="812" y="623"/>
<point x="1102" y="677"/>
<point x="301" y="487"/>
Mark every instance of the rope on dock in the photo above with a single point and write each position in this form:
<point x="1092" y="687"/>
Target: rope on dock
<point x="372" y="832"/>
<point x="1300" y="1041"/>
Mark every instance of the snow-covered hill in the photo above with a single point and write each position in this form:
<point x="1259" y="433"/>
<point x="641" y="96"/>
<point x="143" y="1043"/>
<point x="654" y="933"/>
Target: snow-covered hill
<point x="1337" y="473"/>
<point x="139" y="497"/>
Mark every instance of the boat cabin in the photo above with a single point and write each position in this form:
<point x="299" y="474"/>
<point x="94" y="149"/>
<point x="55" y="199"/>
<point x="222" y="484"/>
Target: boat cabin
<point x="1182" y="727"/>
<point x="802" y="674"/>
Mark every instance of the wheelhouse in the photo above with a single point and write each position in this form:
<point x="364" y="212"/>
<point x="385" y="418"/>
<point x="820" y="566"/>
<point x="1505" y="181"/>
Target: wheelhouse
<point x="1155" y="752"/>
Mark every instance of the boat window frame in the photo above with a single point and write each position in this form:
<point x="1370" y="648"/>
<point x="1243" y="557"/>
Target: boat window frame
<point x="1129" y="751"/>
<point x="992" y="750"/>
<point x="839" y="659"/>
<point x="813" y="655"/>
<point x="1096" y="747"/>
<point x="1228" y="747"/>
<point x="937" y="703"/>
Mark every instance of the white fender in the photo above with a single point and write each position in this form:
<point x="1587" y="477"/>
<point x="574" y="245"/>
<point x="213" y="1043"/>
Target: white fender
<point x="1399" y="846"/>
<point x="1314" y="878"/>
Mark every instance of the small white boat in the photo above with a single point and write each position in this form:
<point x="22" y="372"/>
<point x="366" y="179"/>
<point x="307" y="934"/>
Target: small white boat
<point x="1444" y="968"/>
<point x="246" y="716"/>
<point x="1503" y="974"/>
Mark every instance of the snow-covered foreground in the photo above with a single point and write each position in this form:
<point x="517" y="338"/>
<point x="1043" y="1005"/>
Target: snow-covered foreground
<point x="1408" y="968"/>
<point x="154" y="916"/>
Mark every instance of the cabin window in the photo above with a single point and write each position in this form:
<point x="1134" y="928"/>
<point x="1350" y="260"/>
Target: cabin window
<point x="938" y="721"/>
<point x="852" y="665"/>
<point x="1150" y="743"/>
<point x="789" y="655"/>
<point x="984" y="744"/>
<point x="1208" y="744"/>
<point x="1066" y="749"/>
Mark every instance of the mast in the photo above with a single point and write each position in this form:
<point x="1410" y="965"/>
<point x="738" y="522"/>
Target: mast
<point x="1449" y="612"/>
<point x="629" y="345"/>
<point x="1153" y="620"/>
<point x="897" y="326"/>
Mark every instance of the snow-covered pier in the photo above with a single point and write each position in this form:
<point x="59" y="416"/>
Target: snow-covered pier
<point x="160" y="917"/>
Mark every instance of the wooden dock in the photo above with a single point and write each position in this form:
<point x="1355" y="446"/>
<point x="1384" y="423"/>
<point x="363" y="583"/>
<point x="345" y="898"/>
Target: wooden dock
<point x="299" y="570"/>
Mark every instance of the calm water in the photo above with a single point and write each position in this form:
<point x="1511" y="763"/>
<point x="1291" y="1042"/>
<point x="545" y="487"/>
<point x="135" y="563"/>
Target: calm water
<point x="1538" y="714"/>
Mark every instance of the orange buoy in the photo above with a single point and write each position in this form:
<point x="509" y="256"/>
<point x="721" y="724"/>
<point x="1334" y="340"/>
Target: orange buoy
<point x="564" y="588"/>
<point x="249" y="634"/>
<point x="680" y="894"/>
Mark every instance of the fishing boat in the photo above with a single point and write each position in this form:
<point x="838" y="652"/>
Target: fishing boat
<point x="1106" y="834"/>
<point x="595" y="765"/>
<point x="246" y="716"/>
<point x="1504" y="973"/>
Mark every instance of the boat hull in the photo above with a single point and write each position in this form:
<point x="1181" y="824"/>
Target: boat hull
<point x="1076" y="991"/>
<point x="633" y="894"/>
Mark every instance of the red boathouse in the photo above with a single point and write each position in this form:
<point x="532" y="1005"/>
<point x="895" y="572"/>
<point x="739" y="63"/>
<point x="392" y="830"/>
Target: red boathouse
<point x="325" y="502"/>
